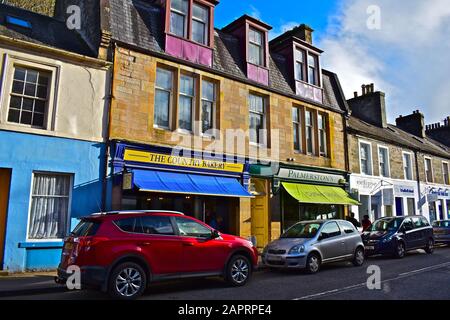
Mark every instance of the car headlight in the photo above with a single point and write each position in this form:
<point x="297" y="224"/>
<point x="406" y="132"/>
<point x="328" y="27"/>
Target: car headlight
<point x="297" y="249"/>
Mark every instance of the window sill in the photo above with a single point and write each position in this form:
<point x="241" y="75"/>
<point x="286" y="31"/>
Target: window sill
<point x="309" y="84"/>
<point x="190" y="41"/>
<point x="42" y="245"/>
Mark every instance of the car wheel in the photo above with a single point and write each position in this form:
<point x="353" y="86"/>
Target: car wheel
<point x="238" y="271"/>
<point x="313" y="263"/>
<point x="400" y="250"/>
<point x="358" y="259"/>
<point x="128" y="281"/>
<point x="430" y="246"/>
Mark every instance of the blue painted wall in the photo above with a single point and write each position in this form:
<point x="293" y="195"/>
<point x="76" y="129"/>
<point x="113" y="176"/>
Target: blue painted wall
<point x="25" y="153"/>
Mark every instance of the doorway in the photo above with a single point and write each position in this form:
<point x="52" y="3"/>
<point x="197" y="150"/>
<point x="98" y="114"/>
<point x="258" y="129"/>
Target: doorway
<point x="5" y="182"/>
<point x="260" y="213"/>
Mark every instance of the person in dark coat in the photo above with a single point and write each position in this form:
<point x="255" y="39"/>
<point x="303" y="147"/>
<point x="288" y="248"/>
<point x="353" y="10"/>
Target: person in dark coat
<point x="352" y="220"/>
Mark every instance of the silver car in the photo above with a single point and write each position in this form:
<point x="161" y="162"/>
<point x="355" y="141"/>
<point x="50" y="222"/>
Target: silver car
<point x="308" y="244"/>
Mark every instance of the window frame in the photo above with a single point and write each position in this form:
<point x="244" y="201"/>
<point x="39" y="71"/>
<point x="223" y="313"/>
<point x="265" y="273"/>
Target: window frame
<point x="325" y="132"/>
<point x="69" y="205"/>
<point x="205" y="24"/>
<point x="370" y="161"/>
<point x="307" y="52"/>
<point x="303" y="64"/>
<point x="431" y="169"/>
<point x="300" y="123"/>
<point x="193" y="101"/>
<point x="388" y="161"/>
<point x="171" y="98"/>
<point x="186" y="18"/>
<point x="411" y="165"/>
<point x="313" y="127"/>
<point x="214" y="107"/>
<point x="264" y="137"/>
<point x="7" y="78"/>
<point x="261" y="46"/>
<point x="446" y="181"/>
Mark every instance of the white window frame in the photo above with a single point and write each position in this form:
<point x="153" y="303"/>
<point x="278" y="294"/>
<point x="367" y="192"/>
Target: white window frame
<point x="262" y="143"/>
<point x="205" y="23"/>
<point x="194" y="102"/>
<point x="370" y="161"/>
<point x="325" y="132"/>
<point x="7" y="78"/>
<point x="313" y="132"/>
<point x="69" y="209"/>
<point x="261" y="46"/>
<point x="297" y="62"/>
<point x="299" y="124"/>
<point x="388" y="161"/>
<point x="214" y="106"/>
<point x="431" y="169"/>
<point x="448" y="172"/>
<point x="410" y="163"/>
<point x="186" y="20"/>
<point x="171" y="94"/>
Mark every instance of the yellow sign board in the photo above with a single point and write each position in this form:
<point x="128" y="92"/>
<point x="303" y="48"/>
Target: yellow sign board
<point x="169" y="160"/>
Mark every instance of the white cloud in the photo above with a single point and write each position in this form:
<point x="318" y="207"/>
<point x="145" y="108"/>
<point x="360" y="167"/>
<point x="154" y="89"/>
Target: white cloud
<point x="254" y="12"/>
<point x="275" y="32"/>
<point x="407" y="58"/>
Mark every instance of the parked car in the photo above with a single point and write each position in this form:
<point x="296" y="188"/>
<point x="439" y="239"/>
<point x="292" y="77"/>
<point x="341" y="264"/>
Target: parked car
<point x="441" y="231"/>
<point x="309" y="244"/>
<point x="397" y="235"/>
<point x="123" y="252"/>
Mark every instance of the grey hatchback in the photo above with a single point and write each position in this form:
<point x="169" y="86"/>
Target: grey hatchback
<point x="308" y="244"/>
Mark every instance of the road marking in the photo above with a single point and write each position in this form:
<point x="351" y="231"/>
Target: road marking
<point x="362" y="285"/>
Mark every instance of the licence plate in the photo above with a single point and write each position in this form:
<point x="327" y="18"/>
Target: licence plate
<point x="275" y="258"/>
<point x="370" y="248"/>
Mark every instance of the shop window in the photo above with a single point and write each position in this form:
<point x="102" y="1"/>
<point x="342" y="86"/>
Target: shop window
<point x="407" y="166"/>
<point x="323" y="133"/>
<point x="257" y="110"/>
<point x="29" y="97"/>
<point x="365" y="155"/>
<point x="445" y="172"/>
<point x="309" y="131"/>
<point x="297" y="128"/>
<point x="256" y="47"/>
<point x="186" y="102"/>
<point x="428" y="170"/>
<point x="208" y="112"/>
<point x="49" y="210"/>
<point x="163" y="98"/>
<point x="383" y="159"/>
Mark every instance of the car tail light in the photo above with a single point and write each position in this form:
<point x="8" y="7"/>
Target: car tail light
<point x="90" y="242"/>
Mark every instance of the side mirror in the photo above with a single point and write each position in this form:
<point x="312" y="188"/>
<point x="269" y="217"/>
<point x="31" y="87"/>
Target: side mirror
<point x="215" y="234"/>
<point x="322" y="236"/>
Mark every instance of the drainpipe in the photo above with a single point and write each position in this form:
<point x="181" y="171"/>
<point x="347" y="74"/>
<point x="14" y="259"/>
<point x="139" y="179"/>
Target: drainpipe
<point x="418" y="176"/>
<point x="109" y="98"/>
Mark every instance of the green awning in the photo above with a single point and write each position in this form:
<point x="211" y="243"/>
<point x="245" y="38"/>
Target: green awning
<point x="308" y="193"/>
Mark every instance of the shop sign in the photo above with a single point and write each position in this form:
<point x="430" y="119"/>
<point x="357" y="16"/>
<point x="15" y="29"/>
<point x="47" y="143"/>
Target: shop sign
<point x="406" y="191"/>
<point x="311" y="176"/>
<point x="440" y="192"/>
<point x="176" y="161"/>
<point x="365" y="186"/>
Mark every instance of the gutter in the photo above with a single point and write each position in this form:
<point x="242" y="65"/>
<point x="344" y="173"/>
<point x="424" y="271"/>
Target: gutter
<point x="54" y="51"/>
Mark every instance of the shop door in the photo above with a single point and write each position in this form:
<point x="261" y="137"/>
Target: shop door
<point x="5" y="179"/>
<point x="260" y="214"/>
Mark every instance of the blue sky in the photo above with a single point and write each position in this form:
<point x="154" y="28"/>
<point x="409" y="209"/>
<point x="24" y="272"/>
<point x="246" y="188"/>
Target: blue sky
<point x="403" y="57"/>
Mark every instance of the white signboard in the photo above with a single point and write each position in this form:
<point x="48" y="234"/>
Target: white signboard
<point x="310" y="176"/>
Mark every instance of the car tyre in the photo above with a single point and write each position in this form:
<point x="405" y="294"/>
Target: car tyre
<point x="400" y="250"/>
<point x="359" y="257"/>
<point x="430" y="246"/>
<point x="127" y="281"/>
<point x="238" y="271"/>
<point x="313" y="263"/>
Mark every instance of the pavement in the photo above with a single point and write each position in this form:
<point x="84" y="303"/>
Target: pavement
<point x="417" y="276"/>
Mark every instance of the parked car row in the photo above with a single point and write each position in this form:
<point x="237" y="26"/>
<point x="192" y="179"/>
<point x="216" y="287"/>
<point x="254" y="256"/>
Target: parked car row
<point x="123" y="252"/>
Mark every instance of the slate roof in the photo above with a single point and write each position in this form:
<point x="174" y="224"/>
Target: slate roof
<point x="396" y="136"/>
<point x="44" y="30"/>
<point x="139" y="23"/>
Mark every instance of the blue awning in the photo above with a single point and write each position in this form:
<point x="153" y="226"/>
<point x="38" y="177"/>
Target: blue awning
<point x="174" y="182"/>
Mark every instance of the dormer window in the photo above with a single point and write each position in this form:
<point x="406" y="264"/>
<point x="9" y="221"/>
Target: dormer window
<point x="255" y="47"/>
<point x="200" y="24"/>
<point x="300" y="65"/>
<point x="179" y="10"/>
<point x="313" y="68"/>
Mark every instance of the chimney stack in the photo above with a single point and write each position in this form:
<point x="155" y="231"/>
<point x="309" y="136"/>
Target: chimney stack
<point x="370" y="107"/>
<point x="304" y="32"/>
<point x="440" y="132"/>
<point x="413" y="123"/>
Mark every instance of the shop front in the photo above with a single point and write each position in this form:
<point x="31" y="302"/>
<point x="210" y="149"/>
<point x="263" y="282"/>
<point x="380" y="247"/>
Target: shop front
<point x="300" y="193"/>
<point x="435" y="202"/>
<point x="211" y="189"/>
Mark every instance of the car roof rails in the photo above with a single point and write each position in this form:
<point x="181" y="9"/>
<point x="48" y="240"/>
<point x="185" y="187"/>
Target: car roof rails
<point x="135" y="212"/>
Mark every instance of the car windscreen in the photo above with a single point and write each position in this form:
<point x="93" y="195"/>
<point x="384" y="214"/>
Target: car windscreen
<point x="86" y="228"/>
<point x="388" y="224"/>
<point x="302" y="230"/>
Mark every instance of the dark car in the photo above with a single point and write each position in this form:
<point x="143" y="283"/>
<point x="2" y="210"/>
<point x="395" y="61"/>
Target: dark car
<point x="124" y="252"/>
<point x="441" y="231"/>
<point x="396" y="235"/>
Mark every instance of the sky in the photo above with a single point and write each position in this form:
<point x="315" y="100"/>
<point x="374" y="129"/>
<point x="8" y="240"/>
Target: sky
<point x="400" y="46"/>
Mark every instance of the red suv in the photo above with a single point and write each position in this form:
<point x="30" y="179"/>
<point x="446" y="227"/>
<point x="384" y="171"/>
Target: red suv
<point x="122" y="252"/>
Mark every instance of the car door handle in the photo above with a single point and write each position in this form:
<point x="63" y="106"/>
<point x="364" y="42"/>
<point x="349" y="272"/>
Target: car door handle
<point x="145" y="243"/>
<point x="188" y="244"/>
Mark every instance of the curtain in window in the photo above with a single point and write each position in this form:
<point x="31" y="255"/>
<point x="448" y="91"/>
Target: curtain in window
<point x="49" y="206"/>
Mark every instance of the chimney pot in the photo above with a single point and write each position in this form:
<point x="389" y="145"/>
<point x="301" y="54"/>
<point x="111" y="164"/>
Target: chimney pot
<point x="355" y="94"/>
<point x="363" y="89"/>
